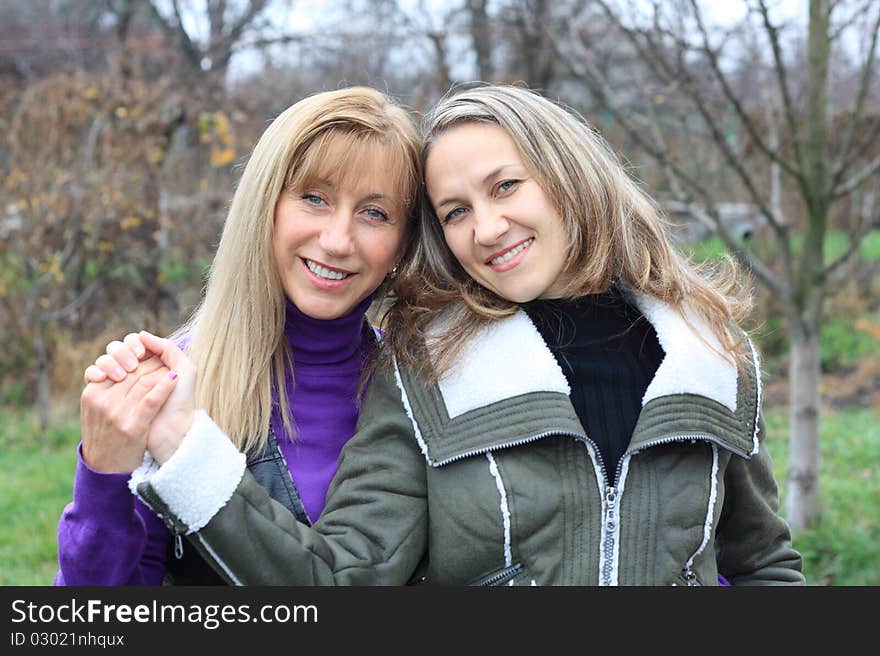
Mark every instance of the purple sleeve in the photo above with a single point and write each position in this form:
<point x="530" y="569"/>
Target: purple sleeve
<point x="108" y="537"/>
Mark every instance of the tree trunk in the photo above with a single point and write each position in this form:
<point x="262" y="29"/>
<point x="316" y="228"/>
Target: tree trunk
<point x="805" y="317"/>
<point x="481" y="39"/>
<point x="802" y="507"/>
<point x="43" y="397"/>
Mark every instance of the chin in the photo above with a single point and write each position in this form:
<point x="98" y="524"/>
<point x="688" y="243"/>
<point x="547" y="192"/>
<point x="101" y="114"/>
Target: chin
<point x="514" y="296"/>
<point x="324" y="311"/>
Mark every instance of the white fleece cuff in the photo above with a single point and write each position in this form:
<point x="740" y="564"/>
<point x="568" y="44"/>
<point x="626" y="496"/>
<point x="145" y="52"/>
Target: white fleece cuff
<point x="200" y="477"/>
<point x="143" y="473"/>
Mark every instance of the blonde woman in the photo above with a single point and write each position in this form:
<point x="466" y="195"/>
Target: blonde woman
<point x="275" y="354"/>
<point x="569" y="402"/>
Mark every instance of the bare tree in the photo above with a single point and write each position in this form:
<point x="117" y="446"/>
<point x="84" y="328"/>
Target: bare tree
<point x="481" y="37"/>
<point x="209" y="35"/>
<point x="794" y="136"/>
<point x="78" y="220"/>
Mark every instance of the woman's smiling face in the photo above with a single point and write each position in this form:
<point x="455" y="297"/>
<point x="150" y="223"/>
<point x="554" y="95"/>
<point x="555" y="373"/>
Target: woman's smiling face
<point x="337" y="238"/>
<point x="500" y="225"/>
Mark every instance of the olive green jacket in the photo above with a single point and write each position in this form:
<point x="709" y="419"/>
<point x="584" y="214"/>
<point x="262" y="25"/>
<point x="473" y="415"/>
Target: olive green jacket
<point x="488" y="478"/>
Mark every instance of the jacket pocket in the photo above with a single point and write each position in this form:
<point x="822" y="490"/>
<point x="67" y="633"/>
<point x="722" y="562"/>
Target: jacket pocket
<point x="500" y="577"/>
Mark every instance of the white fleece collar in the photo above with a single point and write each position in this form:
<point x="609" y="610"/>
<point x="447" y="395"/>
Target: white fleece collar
<point x="690" y="365"/>
<point x="508" y="358"/>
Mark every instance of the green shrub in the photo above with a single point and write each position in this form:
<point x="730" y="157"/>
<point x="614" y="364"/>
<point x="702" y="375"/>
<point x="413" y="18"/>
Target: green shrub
<point x="843" y="344"/>
<point x="869" y="249"/>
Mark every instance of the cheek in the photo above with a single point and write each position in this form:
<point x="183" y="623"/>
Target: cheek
<point x="382" y="252"/>
<point x="280" y="246"/>
<point x="457" y="243"/>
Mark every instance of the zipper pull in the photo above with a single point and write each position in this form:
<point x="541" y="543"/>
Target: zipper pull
<point x="689" y="576"/>
<point x="610" y="511"/>
<point x="178" y="546"/>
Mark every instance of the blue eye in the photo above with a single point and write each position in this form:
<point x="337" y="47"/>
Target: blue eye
<point x="313" y="199"/>
<point x="376" y="214"/>
<point x="507" y="185"/>
<point x="454" y="214"/>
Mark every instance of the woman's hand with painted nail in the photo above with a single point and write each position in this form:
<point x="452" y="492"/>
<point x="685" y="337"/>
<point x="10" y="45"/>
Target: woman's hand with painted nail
<point x="174" y="419"/>
<point x="116" y="417"/>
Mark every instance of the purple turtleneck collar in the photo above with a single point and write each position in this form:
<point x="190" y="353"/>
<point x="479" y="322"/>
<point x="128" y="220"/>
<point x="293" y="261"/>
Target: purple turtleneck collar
<point x="324" y="341"/>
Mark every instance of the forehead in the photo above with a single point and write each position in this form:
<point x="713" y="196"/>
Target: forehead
<point x="471" y="150"/>
<point x="365" y="165"/>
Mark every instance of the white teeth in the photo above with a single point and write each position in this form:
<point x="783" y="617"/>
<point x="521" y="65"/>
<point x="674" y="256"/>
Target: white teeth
<point x="323" y="272"/>
<point x="513" y="251"/>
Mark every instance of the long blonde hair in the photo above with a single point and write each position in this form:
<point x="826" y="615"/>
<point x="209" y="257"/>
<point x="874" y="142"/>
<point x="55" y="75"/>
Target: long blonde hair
<point x="615" y="231"/>
<point x="236" y="336"/>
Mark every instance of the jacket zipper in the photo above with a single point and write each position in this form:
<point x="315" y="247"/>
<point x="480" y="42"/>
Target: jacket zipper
<point x="505" y="445"/>
<point x="689" y="576"/>
<point x="611" y="504"/>
<point x="505" y="575"/>
<point x="610" y="519"/>
<point x="289" y="474"/>
<point x="692" y="437"/>
<point x="610" y="499"/>
<point x="157" y="505"/>
<point x="609" y="529"/>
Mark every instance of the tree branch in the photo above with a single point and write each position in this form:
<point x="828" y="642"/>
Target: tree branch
<point x="852" y="19"/>
<point x="233" y="34"/>
<point x="848" y="156"/>
<point x="735" y="102"/>
<point x="855" y="181"/>
<point x="746" y="258"/>
<point x="838" y="269"/>
<point x="686" y="82"/>
<point x="176" y="32"/>
<point x="72" y="306"/>
<point x="782" y="76"/>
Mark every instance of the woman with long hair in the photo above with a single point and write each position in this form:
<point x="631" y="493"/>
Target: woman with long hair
<point x="277" y="352"/>
<point x="566" y="401"/>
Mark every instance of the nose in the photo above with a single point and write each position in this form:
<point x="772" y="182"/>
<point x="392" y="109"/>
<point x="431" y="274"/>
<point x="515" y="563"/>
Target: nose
<point x="489" y="226"/>
<point x="336" y="237"/>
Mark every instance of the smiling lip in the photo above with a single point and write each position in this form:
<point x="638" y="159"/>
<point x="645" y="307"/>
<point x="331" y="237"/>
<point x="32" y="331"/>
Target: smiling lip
<point x="511" y="262"/>
<point x="326" y="284"/>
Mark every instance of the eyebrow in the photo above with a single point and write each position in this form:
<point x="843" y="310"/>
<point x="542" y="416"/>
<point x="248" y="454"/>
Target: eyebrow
<point x="366" y="199"/>
<point x="492" y="174"/>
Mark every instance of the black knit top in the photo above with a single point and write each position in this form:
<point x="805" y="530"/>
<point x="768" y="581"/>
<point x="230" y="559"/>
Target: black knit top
<point x="609" y="354"/>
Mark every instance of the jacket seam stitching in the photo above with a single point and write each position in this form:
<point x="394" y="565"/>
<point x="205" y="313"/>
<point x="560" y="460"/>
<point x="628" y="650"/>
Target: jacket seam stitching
<point x="710" y="511"/>
<point x="505" y="511"/>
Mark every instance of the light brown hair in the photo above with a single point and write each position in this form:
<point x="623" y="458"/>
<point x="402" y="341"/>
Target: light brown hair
<point x="616" y="234"/>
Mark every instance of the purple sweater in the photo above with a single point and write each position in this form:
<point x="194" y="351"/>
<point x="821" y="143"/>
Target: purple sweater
<point x="106" y="536"/>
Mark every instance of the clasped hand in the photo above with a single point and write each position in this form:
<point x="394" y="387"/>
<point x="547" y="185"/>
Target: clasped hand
<point x="139" y="396"/>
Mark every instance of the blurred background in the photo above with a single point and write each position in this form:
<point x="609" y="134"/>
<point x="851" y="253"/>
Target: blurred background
<point x="755" y="124"/>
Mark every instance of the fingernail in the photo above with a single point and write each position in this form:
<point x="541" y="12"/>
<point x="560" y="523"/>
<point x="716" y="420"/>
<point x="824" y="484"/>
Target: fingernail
<point x="131" y="364"/>
<point x="120" y="373"/>
<point x="173" y="375"/>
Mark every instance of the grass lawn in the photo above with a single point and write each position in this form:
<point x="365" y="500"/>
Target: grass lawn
<point x="36" y="474"/>
<point x="845" y="548"/>
<point x="36" y="481"/>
